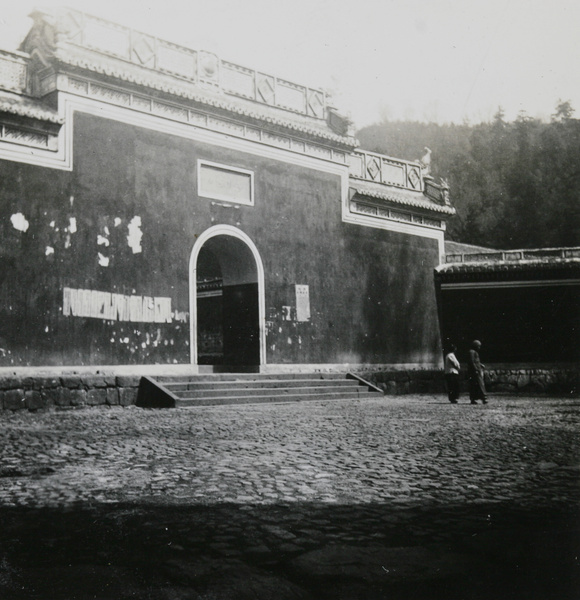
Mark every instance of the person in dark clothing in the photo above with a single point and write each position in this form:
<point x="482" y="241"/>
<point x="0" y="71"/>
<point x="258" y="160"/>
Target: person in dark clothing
<point x="452" y="373"/>
<point x="475" y="371"/>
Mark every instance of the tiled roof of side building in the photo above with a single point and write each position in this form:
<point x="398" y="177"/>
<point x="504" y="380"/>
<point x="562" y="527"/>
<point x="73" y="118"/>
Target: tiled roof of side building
<point x="452" y="247"/>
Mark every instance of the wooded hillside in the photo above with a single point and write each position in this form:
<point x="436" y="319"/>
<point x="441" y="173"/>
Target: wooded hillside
<point x="514" y="184"/>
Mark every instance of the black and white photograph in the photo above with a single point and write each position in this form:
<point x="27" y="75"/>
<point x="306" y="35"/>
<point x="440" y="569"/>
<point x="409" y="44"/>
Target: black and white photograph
<point x="289" y="300"/>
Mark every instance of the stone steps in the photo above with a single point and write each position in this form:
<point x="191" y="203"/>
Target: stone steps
<point x="220" y="389"/>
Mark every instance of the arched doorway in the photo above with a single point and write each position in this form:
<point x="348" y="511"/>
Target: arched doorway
<point x="226" y="301"/>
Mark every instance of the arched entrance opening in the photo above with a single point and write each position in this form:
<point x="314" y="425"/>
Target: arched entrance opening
<point x="226" y="301"/>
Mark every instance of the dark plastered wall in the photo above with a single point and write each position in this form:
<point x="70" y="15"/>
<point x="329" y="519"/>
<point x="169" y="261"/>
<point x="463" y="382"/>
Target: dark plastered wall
<point x="515" y="325"/>
<point x="371" y="291"/>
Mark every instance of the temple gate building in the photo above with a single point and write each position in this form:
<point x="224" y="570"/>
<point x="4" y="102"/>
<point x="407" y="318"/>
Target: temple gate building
<point x="162" y="206"/>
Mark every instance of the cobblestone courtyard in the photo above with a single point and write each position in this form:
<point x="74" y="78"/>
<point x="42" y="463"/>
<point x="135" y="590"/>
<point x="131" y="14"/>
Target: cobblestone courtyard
<point x="398" y="497"/>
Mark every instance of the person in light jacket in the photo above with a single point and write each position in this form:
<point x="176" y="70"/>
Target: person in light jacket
<point x="452" y="374"/>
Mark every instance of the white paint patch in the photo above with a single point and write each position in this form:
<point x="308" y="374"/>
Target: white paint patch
<point x="49" y="250"/>
<point x="135" y="235"/>
<point x="52" y="224"/>
<point x="103" y="260"/>
<point x="67" y="241"/>
<point x="72" y="225"/>
<point x="106" y="230"/>
<point x="19" y="222"/>
<point x="102" y="240"/>
<point x="116" y="307"/>
<point x="117" y="221"/>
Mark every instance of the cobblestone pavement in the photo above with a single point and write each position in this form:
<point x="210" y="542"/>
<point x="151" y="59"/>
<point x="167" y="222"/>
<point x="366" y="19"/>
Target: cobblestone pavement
<point x="398" y="497"/>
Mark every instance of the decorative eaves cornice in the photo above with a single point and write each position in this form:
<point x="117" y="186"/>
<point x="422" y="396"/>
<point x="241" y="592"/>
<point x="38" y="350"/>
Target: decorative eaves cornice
<point x="502" y="267"/>
<point x="395" y="196"/>
<point x="21" y="106"/>
<point x="258" y="114"/>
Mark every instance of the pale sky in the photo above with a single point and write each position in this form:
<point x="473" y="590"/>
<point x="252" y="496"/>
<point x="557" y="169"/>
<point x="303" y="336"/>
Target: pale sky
<point x="425" y="60"/>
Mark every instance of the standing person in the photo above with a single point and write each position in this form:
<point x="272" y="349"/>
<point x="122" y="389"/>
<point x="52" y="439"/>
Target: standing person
<point x="452" y="373"/>
<point x="475" y="371"/>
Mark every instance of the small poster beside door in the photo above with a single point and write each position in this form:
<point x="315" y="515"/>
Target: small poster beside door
<point x="302" y="303"/>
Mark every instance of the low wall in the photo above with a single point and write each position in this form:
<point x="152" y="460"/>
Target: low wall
<point x="69" y="391"/>
<point x="78" y="390"/>
<point x="498" y="379"/>
<point x="556" y="380"/>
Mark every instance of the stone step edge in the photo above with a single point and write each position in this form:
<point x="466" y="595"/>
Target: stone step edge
<point x="271" y="384"/>
<point x="281" y="391"/>
<point x="183" y="402"/>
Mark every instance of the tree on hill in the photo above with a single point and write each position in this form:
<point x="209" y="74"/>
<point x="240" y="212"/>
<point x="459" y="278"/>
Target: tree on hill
<point x="513" y="184"/>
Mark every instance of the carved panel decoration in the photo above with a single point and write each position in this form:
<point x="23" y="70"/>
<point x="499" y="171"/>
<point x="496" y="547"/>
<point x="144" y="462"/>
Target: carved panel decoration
<point x="266" y="88"/>
<point x="290" y="96"/>
<point x="108" y="38"/>
<point x="208" y="68"/>
<point x="176" y="60"/>
<point x="13" y="70"/>
<point x="22" y="136"/>
<point x="386" y="170"/>
<point x="373" y="167"/>
<point x="414" y="178"/>
<point x="238" y="80"/>
<point x="73" y="26"/>
<point x="316" y="103"/>
<point x="143" y="49"/>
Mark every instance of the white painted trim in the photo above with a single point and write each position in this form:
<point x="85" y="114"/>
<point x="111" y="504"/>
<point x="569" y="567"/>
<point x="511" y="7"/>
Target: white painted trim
<point x="200" y="241"/>
<point x="71" y="103"/>
<point x="397" y="226"/>
<point x="475" y="285"/>
<point x="221" y="167"/>
<point x="346" y="367"/>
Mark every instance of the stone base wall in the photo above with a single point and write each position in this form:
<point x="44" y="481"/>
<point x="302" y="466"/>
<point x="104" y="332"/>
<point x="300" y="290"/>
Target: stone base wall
<point x="75" y="391"/>
<point x="529" y="380"/>
<point x="71" y="391"/>
<point x="525" y="380"/>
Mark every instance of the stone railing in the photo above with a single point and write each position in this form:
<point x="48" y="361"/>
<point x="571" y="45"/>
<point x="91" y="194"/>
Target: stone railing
<point x="196" y="66"/>
<point x="538" y="254"/>
<point x="387" y="170"/>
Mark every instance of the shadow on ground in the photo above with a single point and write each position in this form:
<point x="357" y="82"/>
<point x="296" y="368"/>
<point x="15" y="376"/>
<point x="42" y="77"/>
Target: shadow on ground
<point x="298" y="551"/>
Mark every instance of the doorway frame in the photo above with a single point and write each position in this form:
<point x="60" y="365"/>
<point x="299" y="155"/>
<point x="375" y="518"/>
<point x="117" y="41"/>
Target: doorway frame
<point x="231" y="231"/>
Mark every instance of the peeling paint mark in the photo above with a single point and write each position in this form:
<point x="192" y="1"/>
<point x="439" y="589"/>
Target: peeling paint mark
<point x="46" y="329"/>
<point x="182" y="317"/>
<point x="102" y="241"/>
<point x="72" y="225"/>
<point x="117" y="221"/>
<point x="52" y="224"/>
<point x="19" y="222"/>
<point x="103" y="260"/>
<point x="72" y="200"/>
<point x="135" y="235"/>
<point x="67" y="243"/>
<point x="106" y="229"/>
<point x="289" y="341"/>
<point x="49" y="250"/>
<point x="113" y="307"/>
